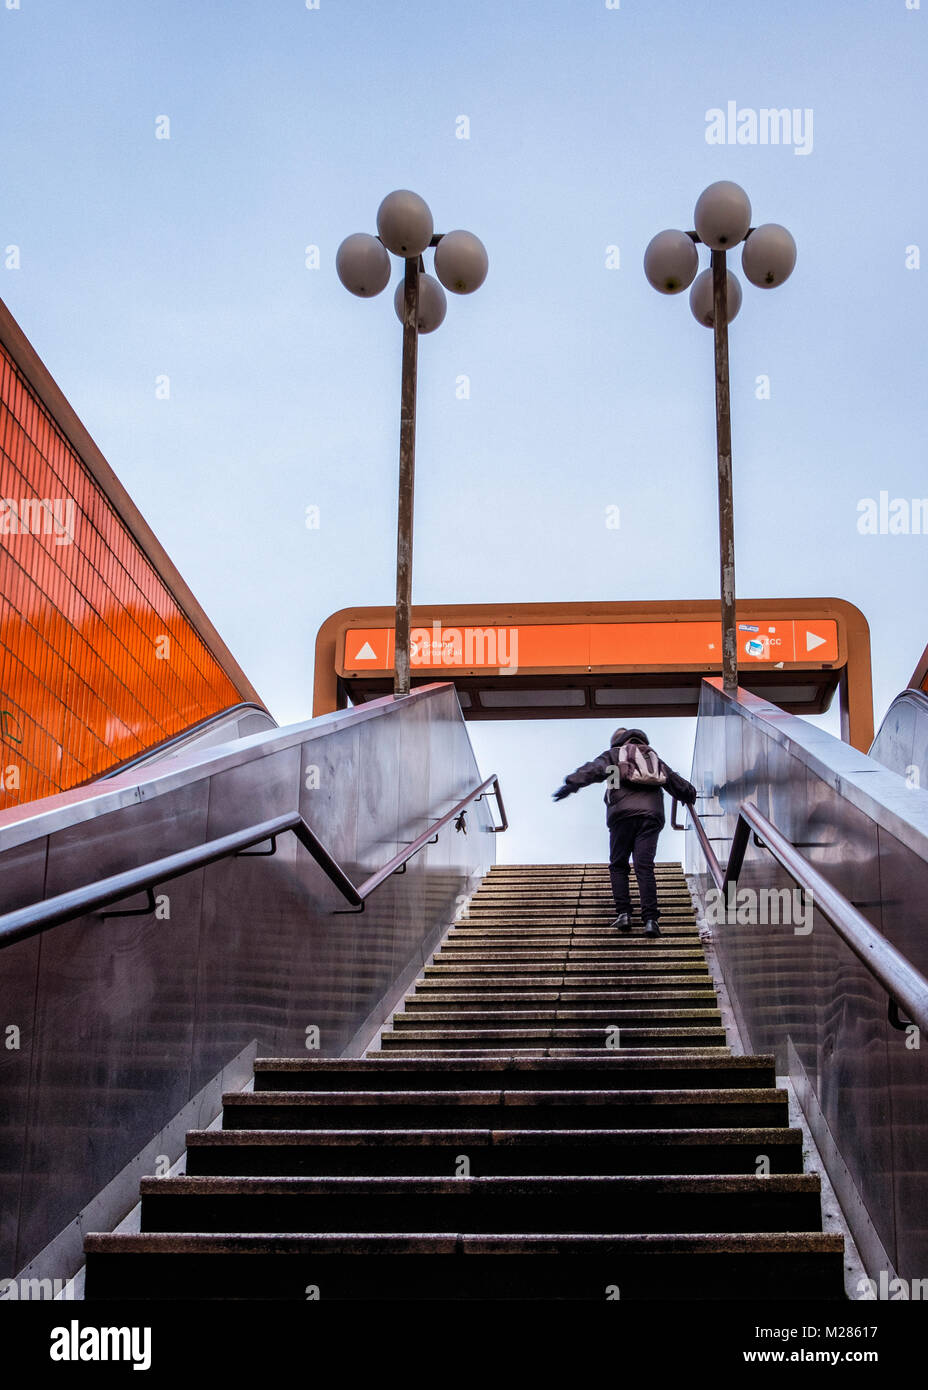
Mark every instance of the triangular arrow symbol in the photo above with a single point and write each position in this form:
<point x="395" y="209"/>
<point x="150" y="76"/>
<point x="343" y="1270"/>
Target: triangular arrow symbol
<point x="366" y="653"/>
<point x="812" y="641"/>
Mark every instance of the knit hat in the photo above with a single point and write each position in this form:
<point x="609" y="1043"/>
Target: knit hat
<point x="626" y="735"/>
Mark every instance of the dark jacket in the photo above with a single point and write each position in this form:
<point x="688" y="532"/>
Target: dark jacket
<point x="628" y="800"/>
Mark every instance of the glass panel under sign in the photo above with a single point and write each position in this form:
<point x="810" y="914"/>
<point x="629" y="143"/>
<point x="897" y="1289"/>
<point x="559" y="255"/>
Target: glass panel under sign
<point x="528" y="699"/>
<point x="646" y="696"/>
<point x="785" y="694"/>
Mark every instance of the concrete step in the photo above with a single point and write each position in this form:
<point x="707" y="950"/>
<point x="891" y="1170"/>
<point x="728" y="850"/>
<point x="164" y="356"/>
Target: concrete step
<point x="513" y="1037"/>
<point x="516" y="902"/>
<point x="555" y="938"/>
<point x="597" y="929"/>
<point x="610" y="1016"/>
<point x="600" y="893"/>
<point x="531" y="920"/>
<point x="437" y="1266"/>
<point x="591" y="969"/>
<point x="491" y="984"/>
<point x="598" y="918"/>
<point x="584" y="1150"/>
<point x="403" y="1073"/>
<point x="659" y="949"/>
<point x="634" y="942"/>
<point x="496" y="1108"/>
<point x="447" y="997"/>
<point x="483" y="1204"/>
<point x="425" y="1053"/>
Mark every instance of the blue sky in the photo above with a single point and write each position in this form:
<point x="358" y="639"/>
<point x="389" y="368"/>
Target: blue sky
<point x="186" y="257"/>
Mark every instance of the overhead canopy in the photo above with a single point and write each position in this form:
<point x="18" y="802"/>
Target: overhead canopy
<point x="628" y="660"/>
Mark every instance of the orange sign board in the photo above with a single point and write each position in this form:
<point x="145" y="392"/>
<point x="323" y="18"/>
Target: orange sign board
<point x="592" y="646"/>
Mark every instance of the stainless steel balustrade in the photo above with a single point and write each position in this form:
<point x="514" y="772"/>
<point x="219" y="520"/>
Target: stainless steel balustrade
<point x="122" y="1020"/>
<point x="901" y="981"/>
<point x="807" y="995"/>
<point x="29" y="921"/>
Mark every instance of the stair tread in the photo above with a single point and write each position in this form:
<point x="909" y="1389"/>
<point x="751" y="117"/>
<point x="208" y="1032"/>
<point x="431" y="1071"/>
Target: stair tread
<point x="741" y="1134"/>
<point x="337" y="1064"/>
<point x="452" y="1242"/>
<point x="505" y="1186"/>
<point x="587" y="1096"/>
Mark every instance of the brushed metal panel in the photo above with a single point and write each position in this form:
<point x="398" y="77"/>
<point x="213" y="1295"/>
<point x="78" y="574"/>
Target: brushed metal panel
<point x="142" y="830"/>
<point x="415" y="757"/>
<point x="19" y="965"/>
<point x="371" y="935"/>
<point x="329" y="768"/>
<point x="243" y="969"/>
<point x="22" y="880"/>
<point x="254" y="790"/>
<point x="905" y="885"/>
<point x="111" y="1058"/>
<point x="852" y="1062"/>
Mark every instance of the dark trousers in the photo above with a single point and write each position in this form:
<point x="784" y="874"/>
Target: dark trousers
<point x="638" y="836"/>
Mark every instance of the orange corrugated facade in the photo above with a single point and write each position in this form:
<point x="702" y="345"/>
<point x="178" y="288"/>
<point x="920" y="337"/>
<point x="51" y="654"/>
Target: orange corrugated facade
<point x="97" y="660"/>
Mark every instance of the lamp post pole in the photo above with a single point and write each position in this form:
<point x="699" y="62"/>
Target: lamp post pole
<point x="404" y="519"/>
<point x="723" y="220"/>
<point x="404" y="226"/>
<point x="723" y="447"/>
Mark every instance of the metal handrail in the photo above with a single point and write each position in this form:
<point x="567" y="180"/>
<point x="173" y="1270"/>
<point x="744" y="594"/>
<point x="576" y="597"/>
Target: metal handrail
<point x="716" y="872"/>
<point x="64" y="907"/>
<point x="161" y="750"/>
<point x="490" y="786"/>
<point x="904" y="984"/>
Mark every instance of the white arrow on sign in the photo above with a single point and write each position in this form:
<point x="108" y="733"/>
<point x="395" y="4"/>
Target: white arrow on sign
<point x="366" y="653"/>
<point x="813" y="641"/>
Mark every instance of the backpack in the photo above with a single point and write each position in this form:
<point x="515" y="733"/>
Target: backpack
<point x="639" y="766"/>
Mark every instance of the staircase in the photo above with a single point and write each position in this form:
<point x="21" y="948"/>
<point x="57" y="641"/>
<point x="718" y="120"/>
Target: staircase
<point x="554" y="1114"/>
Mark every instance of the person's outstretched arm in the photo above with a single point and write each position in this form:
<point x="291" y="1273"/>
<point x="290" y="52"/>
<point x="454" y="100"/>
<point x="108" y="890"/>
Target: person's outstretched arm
<point x="584" y="776"/>
<point x="678" y="786"/>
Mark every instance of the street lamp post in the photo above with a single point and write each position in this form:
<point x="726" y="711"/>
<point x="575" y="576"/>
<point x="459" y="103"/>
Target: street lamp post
<point x="405" y="227"/>
<point x="723" y="220"/>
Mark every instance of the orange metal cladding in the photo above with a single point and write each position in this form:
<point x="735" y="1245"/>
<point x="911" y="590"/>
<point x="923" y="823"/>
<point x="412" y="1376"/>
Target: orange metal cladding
<point x="919" y="679"/>
<point x="585" y="646"/>
<point x="97" y="660"/>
